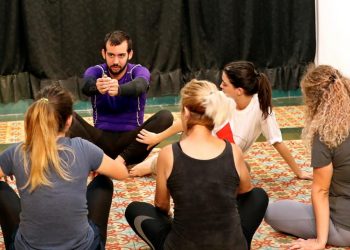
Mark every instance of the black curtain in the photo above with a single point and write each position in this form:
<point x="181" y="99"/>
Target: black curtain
<point x="56" y="40"/>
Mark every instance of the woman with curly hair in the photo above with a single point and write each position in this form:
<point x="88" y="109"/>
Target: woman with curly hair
<point x="327" y="128"/>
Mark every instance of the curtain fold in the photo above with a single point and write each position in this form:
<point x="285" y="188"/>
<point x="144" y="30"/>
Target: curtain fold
<point x="47" y="41"/>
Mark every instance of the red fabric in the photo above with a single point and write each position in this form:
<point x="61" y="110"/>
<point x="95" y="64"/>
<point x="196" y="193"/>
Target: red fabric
<point x="226" y="133"/>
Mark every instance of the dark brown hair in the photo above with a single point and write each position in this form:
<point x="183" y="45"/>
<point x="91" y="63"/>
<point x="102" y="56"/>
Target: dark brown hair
<point x="116" y="38"/>
<point x="243" y="74"/>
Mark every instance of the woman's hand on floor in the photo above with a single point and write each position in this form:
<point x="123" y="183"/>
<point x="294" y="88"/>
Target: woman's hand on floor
<point x="309" y="244"/>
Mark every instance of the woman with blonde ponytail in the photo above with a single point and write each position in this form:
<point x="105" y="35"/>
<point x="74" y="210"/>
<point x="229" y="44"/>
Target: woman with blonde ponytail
<point x="251" y="116"/>
<point x="327" y="132"/>
<point x="56" y="209"/>
<point x="203" y="175"/>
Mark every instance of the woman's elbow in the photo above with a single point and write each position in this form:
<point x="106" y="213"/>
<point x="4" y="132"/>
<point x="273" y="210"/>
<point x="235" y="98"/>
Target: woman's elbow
<point x="322" y="192"/>
<point x="122" y="173"/>
<point x="163" y="206"/>
<point x="245" y="189"/>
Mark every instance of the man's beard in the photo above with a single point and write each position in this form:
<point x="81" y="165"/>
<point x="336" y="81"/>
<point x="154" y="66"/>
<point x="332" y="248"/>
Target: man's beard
<point x="116" y="73"/>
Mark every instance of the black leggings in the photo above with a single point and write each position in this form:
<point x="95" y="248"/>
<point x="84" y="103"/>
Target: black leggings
<point x="153" y="226"/>
<point x="99" y="198"/>
<point x="121" y="143"/>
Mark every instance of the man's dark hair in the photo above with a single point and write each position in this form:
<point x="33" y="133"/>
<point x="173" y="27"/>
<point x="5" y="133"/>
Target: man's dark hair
<point x="116" y="38"/>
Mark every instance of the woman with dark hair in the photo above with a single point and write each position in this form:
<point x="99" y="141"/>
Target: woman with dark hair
<point x="203" y="175"/>
<point x="56" y="208"/>
<point x="252" y="115"/>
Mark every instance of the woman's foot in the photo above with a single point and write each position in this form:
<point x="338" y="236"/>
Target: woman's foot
<point x="144" y="168"/>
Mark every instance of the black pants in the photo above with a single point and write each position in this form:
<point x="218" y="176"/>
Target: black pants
<point x="153" y="226"/>
<point x="99" y="198"/>
<point x="121" y="143"/>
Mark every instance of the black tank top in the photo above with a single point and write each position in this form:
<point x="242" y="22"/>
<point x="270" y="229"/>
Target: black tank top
<point x="205" y="206"/>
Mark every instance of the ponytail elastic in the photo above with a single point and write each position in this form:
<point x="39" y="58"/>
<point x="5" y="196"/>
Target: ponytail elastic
<point x="43" y="100"/>
<point x="212" y="103"/>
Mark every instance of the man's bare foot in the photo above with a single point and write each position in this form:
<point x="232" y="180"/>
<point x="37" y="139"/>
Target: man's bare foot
<point x="143" y="168"/>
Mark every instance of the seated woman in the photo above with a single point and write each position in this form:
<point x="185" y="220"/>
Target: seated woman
<point x="327" y="221"/>
<point x="252" y="116"/>
<point x="203" y="175"/>
<point x="57" y="210"/>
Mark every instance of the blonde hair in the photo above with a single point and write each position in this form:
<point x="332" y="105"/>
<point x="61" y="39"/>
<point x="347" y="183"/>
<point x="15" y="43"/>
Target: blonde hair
<point x="208" y="106"/>
<point x="327" y="99"/>
<point x="43" y="121"/>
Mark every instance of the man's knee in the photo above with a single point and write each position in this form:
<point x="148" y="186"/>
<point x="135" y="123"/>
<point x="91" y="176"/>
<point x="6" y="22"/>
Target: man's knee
<point x="159" y="122"/>
<point x="165" y="117"/>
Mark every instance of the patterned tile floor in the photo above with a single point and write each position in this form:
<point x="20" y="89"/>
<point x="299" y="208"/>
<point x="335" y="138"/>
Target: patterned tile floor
<point x="267" y="168"/>
<point x="287" y="117"/>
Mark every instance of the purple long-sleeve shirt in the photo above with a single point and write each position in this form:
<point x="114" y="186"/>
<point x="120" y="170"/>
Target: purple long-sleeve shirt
<point x="118" y="113"/>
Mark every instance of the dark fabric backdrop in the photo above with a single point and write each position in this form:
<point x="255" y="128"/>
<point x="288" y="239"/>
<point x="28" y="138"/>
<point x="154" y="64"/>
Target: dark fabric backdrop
<point x="43" y="41"/>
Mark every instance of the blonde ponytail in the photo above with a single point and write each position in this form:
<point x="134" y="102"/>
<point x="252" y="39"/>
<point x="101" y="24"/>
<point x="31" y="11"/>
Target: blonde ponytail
<point x="219" y="107"/>
<point x="42" y="124"/>
<point x="208" y="105"/>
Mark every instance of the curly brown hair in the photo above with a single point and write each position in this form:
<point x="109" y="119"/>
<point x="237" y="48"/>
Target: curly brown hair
<point x="326" y="95"/>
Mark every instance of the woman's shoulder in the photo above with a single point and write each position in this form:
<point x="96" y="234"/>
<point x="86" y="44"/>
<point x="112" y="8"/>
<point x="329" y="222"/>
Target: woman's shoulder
<point x="236" y="150"/>
<point x="12" y="149"/>
<point x="77" y="143"/>
<point x="252" y="109"/>
<point x="168" y="148"/>
<point x="255" y="103"/>
<point x="11" y="155"/>
<point x="166" y="153"/>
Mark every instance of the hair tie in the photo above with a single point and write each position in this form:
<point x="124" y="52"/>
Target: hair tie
<point x="43" y="99"/>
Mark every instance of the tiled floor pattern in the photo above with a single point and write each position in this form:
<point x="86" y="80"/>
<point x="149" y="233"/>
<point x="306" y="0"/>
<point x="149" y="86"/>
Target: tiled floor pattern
<point x="287" y="117"/>
<point x="267" y="168"/>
